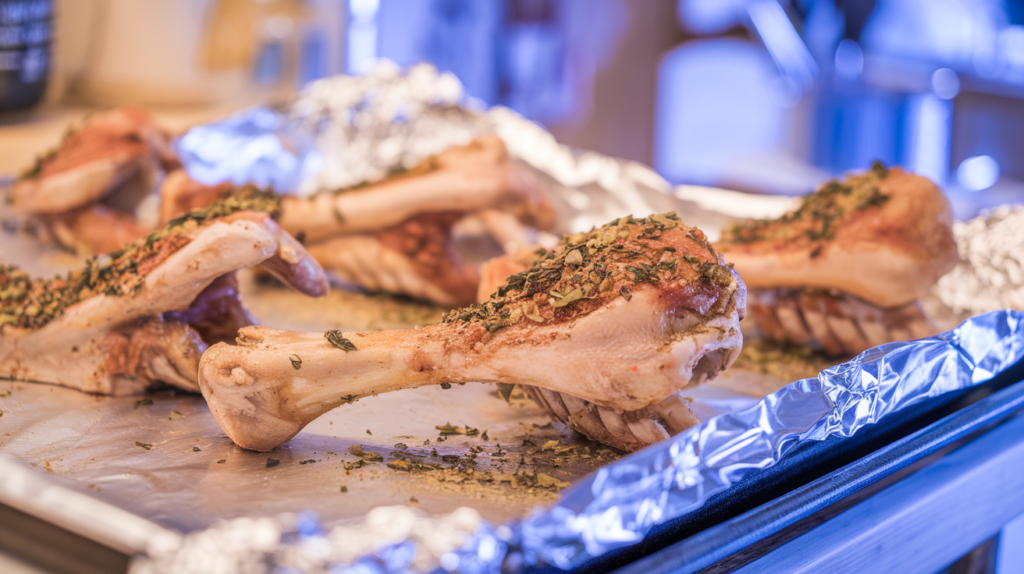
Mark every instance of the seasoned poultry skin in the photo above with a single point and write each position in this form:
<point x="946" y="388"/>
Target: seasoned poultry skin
<point x="142" y="316"/>
<point x="884" y="235"/>
<point x="621" y="317"/>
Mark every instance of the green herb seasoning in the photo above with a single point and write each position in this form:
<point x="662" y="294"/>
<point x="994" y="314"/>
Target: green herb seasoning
<point x="365" y="455"/>
<point x="336" y="338"/>
<point x="819" y="213"/>
<point x="589" y="269"/>
<point x="28" y="303"/>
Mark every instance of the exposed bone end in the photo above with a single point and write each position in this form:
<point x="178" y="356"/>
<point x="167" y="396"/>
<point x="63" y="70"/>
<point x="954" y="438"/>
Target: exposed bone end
<point x="274" y="382"/>
<point x="248" y="409"/>
<point x="295" y="266"/>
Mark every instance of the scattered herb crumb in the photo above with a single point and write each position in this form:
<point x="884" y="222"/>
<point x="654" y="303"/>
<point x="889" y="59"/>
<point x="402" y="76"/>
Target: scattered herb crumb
<point x="307" y="461"/>
<point x="272" y="462"/>
<point x="336" y="338"/>
<point x="354" y="465"/>
<point x="368" y="432"/>
<point x="357" y="449"/>
<point x="138" y="403"/>
<point x="446" y="386"/>
<point x="196" y="449"/>
<point x="413" y="500"/>
<point x="175" y="415"/>
<point x="448" y="429"/>
<point x="296" y="361"/>
<point x="401" y="446"/>
<point x="344" y="488"/>
<point x="144" y="445"/>
<point x="221" y="461"/>
<point x="505" y="390"/>
<point x="484" y="436"/>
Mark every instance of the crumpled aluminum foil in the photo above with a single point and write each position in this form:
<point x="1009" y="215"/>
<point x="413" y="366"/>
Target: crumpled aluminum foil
<point x="624" y="500"/>
<point x="262" y="146"/>
<point x="990" y="274"/>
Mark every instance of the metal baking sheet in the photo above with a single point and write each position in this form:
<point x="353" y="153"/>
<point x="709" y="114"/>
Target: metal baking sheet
<point x="163" y="457"/>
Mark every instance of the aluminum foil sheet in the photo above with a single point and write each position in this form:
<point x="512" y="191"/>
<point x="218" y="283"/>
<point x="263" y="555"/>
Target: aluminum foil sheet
<point x="621" y="502"/>
<point x="262" y="146"/>
<point x="990" y="274"/>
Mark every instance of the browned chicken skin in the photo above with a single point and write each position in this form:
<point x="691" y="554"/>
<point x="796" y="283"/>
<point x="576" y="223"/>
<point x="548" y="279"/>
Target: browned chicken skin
<point x="622" y="318"/>
<point x="144" y="315"/>
<point x="845" y="271"/>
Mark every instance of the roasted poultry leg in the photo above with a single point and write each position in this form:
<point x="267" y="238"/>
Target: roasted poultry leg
<point x="621" y="317"/>
<point x="139" y="317"/>
<point x="845" y="270"/>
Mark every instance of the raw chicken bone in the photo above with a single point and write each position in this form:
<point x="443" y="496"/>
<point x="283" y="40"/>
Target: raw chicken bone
<point x="622" y="317"/>
<point x="142" y="316"/>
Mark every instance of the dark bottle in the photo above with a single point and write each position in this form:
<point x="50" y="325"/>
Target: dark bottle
<point x="26" y="28"/>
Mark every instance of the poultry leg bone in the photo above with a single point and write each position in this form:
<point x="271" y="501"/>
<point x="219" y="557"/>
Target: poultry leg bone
<point x="142" y="316"/>
<point x="621" y="317"/>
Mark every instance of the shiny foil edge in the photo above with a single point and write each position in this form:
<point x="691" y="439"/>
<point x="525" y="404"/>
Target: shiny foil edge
<point x="619" y="504"/>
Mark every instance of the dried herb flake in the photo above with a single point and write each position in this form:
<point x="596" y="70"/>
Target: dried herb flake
<point x="336" y="338"/>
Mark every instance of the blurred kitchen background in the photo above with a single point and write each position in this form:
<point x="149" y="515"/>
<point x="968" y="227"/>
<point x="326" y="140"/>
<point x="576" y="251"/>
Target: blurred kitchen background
<point x="769" y="96"/>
